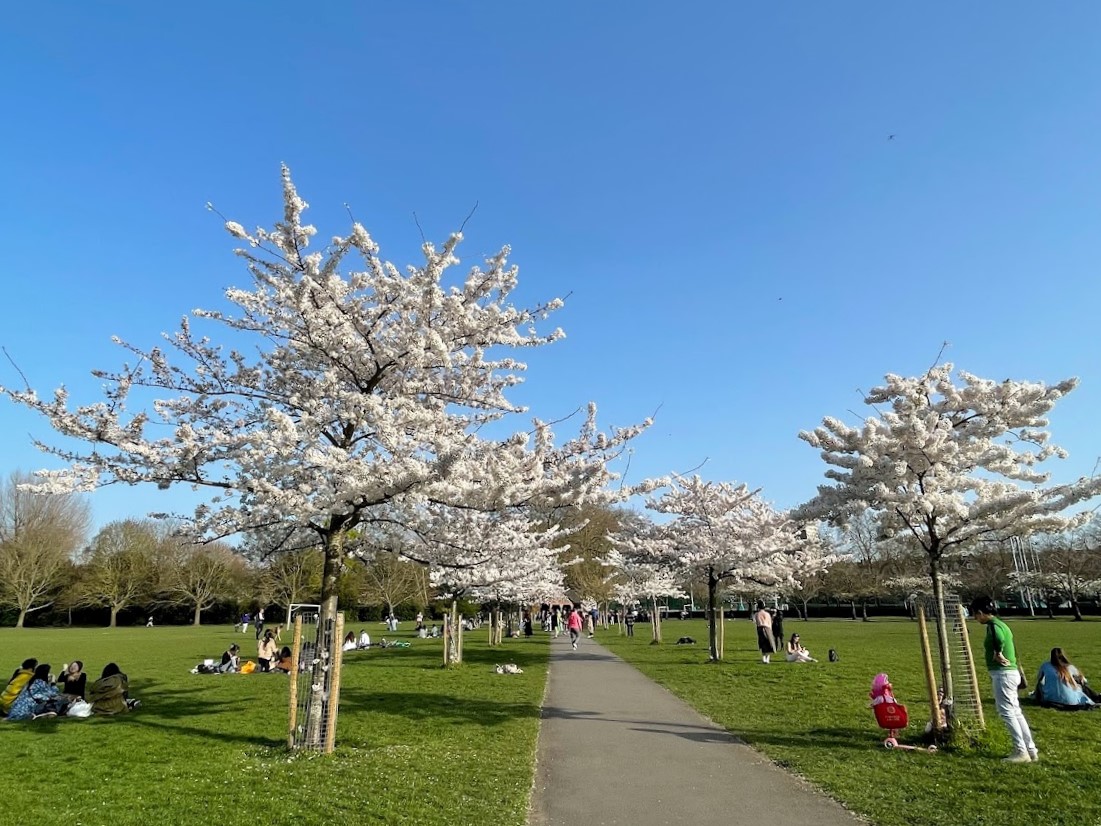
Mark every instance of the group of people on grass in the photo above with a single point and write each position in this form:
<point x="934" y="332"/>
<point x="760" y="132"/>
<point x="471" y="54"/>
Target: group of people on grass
<point x="1059" y="684"/>
<point x="770" y="637"/>
<point x="269" y="658"/>
<point x="33" y="693"/>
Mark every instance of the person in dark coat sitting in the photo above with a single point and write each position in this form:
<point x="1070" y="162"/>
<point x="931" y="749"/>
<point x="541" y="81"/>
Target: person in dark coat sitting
<point x="110" y="694"/>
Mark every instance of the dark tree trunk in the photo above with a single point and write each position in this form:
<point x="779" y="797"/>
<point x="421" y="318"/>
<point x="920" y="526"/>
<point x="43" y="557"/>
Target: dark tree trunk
<point x="712" y="630"/>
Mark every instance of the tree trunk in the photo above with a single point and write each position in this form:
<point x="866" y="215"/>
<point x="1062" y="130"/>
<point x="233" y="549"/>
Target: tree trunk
<point x="655" y="620"/>
<point x="712" y="631"/>
<point x="942" y="627"/>
<point x="864" y="611"/>
<point x="852" y="608"/>
<point x="198" y="617"/>
<point x="330" y="577"/>
<point x="1077" y="610"/>
<point x="114" y="617"/>
<point x="22" y="616"/>
<point x="456" y="634"/>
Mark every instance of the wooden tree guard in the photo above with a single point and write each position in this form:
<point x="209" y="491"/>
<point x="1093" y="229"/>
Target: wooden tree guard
<point x="296" y="651"/>
<point x="722" y="632"/>
<point x="334" y="685"/>
<point x="969" y="660"/>
<point x="930" y="674"/>
<point x="447" y="639"/>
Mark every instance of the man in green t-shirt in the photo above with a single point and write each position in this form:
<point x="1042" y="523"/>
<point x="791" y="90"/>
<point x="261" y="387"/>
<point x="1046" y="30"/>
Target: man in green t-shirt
<point x="1001" y="662"/>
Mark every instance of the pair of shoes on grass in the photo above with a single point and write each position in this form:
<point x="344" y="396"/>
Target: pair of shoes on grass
<point x="1022" y="757"/>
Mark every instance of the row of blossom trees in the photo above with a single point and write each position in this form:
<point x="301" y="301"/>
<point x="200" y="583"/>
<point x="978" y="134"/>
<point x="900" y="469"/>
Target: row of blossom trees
<point x="358" y="409"/>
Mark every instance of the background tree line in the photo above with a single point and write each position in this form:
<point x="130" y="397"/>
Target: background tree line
<point x="52" y="573"/>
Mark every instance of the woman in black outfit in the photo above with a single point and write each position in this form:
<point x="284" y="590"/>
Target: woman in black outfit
<point x="73" y="681"/>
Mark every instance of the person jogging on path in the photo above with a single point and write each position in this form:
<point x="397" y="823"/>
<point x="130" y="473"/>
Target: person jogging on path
<point x="574" y="624"/>
<point x="1001" y="662"/>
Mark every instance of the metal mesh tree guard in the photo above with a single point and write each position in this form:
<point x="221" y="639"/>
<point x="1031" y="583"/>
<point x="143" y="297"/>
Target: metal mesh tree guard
<point x="315" y="685"/>
<point x="963" y="706"/>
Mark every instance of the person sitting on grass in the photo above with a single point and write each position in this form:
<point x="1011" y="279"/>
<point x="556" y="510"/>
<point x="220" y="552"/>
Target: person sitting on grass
<point x="110" y="694"/>
<point x="19" y="679"/>
<point x="39" y="698"/>
<point x="73" y="681"/>
<point x="796" y="653"/>
<point x="364" y="640"/>
<point x="1060" y="685"/>
<point x="350" y="641"/>
<point x="285" y="663"/>
<point x="231" y="660"/>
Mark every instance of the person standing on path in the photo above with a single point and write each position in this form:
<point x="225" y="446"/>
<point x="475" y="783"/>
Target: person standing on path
<point x="259" y="623"/>
<point x="629" y="621"/>
<point x="777" y="629"/>
<point x="1001" y="662"/>
<point x="555" y="622"/>
<point x="763" y="620"/>
<point x="574" y="624"/>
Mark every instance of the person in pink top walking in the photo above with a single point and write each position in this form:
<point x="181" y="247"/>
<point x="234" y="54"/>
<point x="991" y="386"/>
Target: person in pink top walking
<point x="575" y="623"/>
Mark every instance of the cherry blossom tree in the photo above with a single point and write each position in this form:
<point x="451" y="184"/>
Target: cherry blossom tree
<point x="729" y="533"/>
<point x="639" y="576"/>
<point x="358" y="396"/>
<point x="950" y="464"/>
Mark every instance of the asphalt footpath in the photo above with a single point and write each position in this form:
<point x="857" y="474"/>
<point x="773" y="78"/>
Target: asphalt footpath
<point x="617" y="749"/>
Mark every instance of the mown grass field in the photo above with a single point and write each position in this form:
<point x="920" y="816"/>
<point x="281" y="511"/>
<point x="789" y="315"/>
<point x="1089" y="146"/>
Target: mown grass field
<point x="422" y="745"/>
<point x="417" y="744"/>
<point x="814" y="719"/>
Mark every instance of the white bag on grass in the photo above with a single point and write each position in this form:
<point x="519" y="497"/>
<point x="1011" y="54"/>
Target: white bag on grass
<point x="79" y="708"/>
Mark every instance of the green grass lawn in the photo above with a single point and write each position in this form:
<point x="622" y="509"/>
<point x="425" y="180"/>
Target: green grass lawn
<point x="814" y="719"/>
<point x="416" y="744"/>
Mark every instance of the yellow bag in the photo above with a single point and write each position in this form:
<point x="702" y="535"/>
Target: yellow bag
<point x="247" y="667"/>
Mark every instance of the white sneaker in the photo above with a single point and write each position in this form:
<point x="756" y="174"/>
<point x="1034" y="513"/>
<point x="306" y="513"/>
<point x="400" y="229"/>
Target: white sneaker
<point x="1017" y="757"/>
<point x="575" y="646"/>
<point x="1034" y="756"/>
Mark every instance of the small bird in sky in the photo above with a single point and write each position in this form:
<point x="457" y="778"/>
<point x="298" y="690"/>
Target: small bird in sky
<point x="890" y="137"/>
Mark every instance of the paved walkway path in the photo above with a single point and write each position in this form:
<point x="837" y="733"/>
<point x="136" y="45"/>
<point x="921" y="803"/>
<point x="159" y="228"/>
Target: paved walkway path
<point x="617" y="749"/>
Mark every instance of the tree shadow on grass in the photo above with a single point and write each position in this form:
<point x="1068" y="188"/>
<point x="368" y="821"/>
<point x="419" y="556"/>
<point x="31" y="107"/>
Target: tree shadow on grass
<point x="819" y="738"/>
<point x="221" y="735"/>
<point x="436" y="708"/>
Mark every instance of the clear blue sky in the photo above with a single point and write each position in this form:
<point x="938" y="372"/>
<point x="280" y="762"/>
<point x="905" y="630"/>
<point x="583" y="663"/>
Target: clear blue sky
<point x="712" y="183"/>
